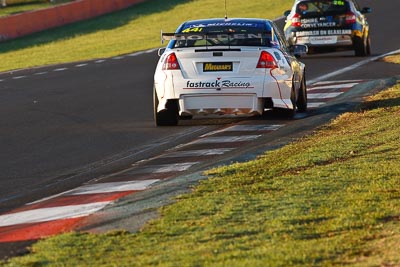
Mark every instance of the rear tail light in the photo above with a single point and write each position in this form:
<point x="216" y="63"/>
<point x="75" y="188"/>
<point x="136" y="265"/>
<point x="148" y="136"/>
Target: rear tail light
<point x="266" y="61"/>
<point x="171" y="63"/>
<point x="296" y="22"/>
<point x="350" y="18"/>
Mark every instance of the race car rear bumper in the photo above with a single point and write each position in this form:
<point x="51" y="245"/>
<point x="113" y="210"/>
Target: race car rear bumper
<point x="228" y="104"/>
<point x="321" y="41"/>
<point x="221" y="104"/>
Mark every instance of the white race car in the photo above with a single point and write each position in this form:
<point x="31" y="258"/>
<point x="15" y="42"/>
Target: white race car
<point x="227" y="66"/>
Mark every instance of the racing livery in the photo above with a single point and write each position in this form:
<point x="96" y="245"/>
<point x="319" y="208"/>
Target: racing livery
<point x="225" y="67"/>
<point x="329" y="25"/>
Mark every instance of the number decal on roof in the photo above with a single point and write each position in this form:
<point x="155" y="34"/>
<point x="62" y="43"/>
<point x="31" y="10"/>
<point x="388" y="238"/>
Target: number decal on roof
<point x="195" y="29"/>
<point x="338" y="3"/>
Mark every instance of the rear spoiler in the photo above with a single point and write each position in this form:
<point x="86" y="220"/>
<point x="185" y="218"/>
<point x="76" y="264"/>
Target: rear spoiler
<point x="203" y="36"/>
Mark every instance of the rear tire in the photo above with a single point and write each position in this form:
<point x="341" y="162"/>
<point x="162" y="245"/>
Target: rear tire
<point x="368" y="46"/>
<point x="167" y="117"/>
<point x="302" y="97"/>
<point x="361" y="46"/>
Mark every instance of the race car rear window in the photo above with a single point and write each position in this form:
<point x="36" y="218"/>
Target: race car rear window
<point x="322" y="7"/>
<point x="225" y="34"/>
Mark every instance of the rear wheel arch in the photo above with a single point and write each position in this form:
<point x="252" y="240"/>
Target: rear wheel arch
<point x="169" y="115"/>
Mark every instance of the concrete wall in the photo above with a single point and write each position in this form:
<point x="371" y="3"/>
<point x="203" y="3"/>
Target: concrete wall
<point x="18" y="25"/>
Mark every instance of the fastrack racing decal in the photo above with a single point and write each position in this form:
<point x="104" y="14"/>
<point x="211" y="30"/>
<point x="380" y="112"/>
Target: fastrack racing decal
<point x="217" y="84"/>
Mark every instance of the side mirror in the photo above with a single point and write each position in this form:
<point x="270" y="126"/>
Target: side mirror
<point x="161" y="51"/>
<point x="286" y="13"/>
<point x="299" y="50"/>
<point x="366" y="10"/>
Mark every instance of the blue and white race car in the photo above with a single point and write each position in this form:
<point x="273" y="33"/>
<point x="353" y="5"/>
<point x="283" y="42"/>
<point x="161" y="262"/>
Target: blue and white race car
<point x="227" y="66"/>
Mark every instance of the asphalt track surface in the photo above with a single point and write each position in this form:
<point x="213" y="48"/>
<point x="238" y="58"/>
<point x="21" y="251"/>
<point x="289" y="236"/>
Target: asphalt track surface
<point x="62" y="126"/>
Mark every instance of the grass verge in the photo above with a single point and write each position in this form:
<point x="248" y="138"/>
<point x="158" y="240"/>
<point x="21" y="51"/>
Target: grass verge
<point x="392" y="59"/>
<point x="330" y="199"/>
<point x="133" y="29"/>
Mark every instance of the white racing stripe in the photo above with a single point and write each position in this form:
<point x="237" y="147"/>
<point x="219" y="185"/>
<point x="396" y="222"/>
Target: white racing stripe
<point x="324" y="95"/>
<point x="164" y="168"/>
<point x="333" y="86"/>
<point x="336" y="82"/>
<point x="50" y="214"/>
<point x="246" y="128"/>
<point x="271" y="127"/>
<point x="112" y="187"/>
<point x="103" y="188"/>
<point x="225" y="139"/>
<point x="197" y="153"/>
<point x="315" y="104"/>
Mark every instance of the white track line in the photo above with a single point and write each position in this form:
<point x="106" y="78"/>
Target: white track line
<point x="81" y="65"/>
<point x="41" y="73"/>
<point x="60" y="69"/>
<point x="351" y="67"/>
<point x="18" y="77"/>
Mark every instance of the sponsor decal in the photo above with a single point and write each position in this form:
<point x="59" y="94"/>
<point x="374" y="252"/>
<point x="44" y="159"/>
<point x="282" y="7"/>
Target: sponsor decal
<point x="322" y="22"/>
<point x="202" y="36"/>
<point x="323" y="32"/>
<point x="217" y="66"/>
<point x="227" y="23"/>
<point x="318" y="25"/>
<point x="218" y="84"/>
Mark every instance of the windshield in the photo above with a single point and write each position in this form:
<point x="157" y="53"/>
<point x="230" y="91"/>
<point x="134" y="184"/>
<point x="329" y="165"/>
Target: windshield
<point x="325" y="7"/>
<point x="223" y="34"/>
